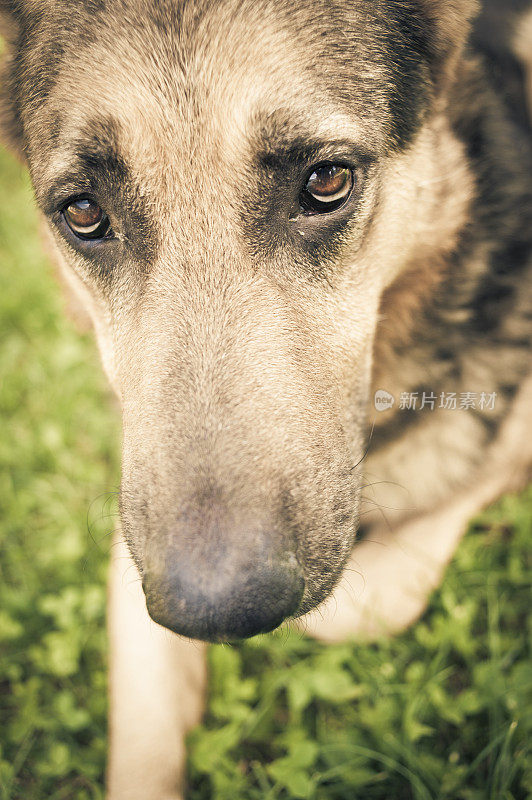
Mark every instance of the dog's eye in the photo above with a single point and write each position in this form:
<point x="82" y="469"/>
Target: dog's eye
<point x="327" y="188"/>
<point x="86" y="219"/>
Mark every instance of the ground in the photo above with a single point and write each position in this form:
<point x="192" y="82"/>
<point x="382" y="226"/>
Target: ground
<point x="443" y="712"/>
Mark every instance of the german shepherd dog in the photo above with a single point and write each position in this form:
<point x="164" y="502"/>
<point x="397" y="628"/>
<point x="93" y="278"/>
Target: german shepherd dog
<point x="303" y="234"/>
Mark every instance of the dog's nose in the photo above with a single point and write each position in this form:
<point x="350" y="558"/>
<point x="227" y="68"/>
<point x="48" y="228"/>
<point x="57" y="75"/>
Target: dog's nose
<point x="233" y="599"/>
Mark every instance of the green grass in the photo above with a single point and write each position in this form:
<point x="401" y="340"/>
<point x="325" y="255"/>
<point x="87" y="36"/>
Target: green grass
<point x="441" y="712"/>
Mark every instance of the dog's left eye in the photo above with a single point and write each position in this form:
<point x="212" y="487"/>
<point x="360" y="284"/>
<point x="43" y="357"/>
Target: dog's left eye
<point x="327" y="188"/>
<point x="86" y="219"/>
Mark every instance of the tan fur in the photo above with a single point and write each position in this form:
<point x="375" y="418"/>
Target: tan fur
<point x="244" y="376"/>
<point x="391" y="574"/>
<point x="437" y="169"/>
<point x="157" y="687"/>
<point x="523" y="50"/>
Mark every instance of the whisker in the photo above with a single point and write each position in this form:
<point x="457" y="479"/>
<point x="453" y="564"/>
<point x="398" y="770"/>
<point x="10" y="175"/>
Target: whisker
<point x="366" y="450"/>
<point x="388" y="508"/>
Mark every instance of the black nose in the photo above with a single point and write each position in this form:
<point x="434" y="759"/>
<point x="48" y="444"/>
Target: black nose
<point x="230" y="597"/>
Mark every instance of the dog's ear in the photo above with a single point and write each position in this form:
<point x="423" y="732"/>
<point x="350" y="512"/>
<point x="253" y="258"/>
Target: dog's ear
<point x="14" y="13"/>
<point x="15" y="17"/>
<point x="7" y="20"/>
<point x="449" y="23"/>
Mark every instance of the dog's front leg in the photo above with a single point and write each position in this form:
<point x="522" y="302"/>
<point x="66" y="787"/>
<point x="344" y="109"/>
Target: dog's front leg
<point x="391" y="574"/>
<point x="157" y="684"/>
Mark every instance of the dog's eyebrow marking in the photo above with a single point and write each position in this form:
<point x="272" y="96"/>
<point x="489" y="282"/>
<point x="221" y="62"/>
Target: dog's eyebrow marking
<point x="92" y="163"/>
<point x="95" y="164"/>
<point x="297" y="152"/>
<point x="279" y="142"/>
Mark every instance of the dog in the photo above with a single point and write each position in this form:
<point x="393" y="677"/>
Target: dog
<point x="303" y="235"/>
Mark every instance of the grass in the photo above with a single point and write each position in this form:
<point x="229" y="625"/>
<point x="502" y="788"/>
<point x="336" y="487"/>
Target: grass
<point x="441" y="713"/>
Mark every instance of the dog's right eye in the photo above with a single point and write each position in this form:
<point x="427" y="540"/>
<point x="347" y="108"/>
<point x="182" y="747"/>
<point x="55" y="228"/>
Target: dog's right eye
<point x="327" y="188"/>
<point x="86" y="219"/>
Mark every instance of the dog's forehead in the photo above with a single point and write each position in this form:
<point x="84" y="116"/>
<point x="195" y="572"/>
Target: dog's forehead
<point x="184" y="77"/>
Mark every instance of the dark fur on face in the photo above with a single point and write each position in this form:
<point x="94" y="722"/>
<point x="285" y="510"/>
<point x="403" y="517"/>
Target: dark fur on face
<point x="238" y="331"/>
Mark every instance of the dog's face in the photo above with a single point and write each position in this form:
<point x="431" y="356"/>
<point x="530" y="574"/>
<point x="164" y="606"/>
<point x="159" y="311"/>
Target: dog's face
<point x="231" y="187"/>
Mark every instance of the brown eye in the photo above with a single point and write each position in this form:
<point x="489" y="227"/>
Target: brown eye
<point x="86" y="219"/>
<point x="327" y="188"/>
